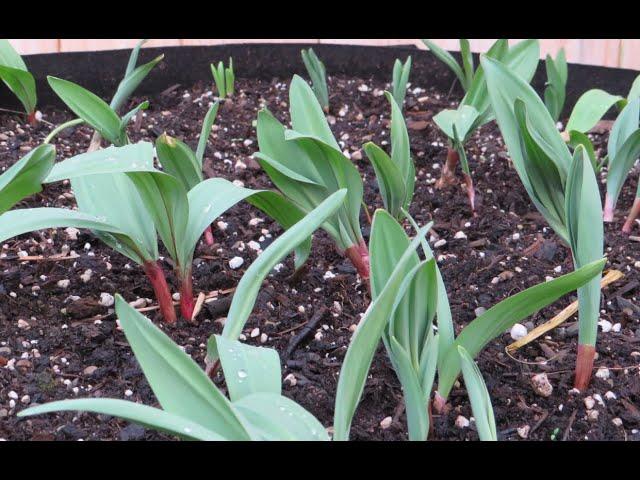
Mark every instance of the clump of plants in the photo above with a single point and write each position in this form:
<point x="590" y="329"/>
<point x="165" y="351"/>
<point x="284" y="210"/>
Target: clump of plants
<point x="305" y="163"/>
<point x="562" y="186"/>
<point x="224" y="78"/>
<point x="400" y="79"/>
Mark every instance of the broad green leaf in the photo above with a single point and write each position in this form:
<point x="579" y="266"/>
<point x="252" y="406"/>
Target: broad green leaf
<point x="634" y="91"/>
<point x="275" y="417"/>
<point x="307" y="116"/>
<point x="180" y="385"/>
<point x="578" y="138"/>
<point x="584" y="221"/>
<point x="365" y="340"/>
<point x="589" y="109"/>
<point x="17" y="222"/>
<point x="390" y="180"/>
<point x="400" y="149"/>
<point x="626" y="123"/>
<point x="134" y="412"/>
<point x="25" y="177"/>
<point x="619" y="167"/>
<point x="249" y="286"/>
<point x="22" y="84"/>
<point x="462" y="118"/>
<point x="91" y="108"/>
<point x="477" y="334"/>
<point x="178" y="160"/>
<point x="9" y="57"/>
<point x="137" y="157"/>
<point x="207" y="124"/>
<point x="133" y="57"/>
<point x="479" y="397"/>
<point x="315" y="69"/>
<point x="132" y="79"/>
<point x="448" y="59"/>
<point x="247" y="369"/>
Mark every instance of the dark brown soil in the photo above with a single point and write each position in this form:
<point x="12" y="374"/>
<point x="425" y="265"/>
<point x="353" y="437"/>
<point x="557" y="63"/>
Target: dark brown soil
<point x="65" y="335"/>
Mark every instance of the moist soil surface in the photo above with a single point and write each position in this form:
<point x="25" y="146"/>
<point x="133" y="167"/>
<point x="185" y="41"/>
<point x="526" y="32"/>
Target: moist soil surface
<point x="59" y="342"/>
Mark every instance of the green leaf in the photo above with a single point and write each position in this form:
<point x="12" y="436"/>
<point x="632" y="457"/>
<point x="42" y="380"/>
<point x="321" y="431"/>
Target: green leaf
<point x="219" y="79"/>
<point x="17" y="222"/>
<point x="126" y="118"/>
<point x="620" y="166"/>
<point x="463" y="119"/>
<point x="307" y="116"/>
<point x="589" y="109"/>
<point x="134" y="412"/>
<point x="25" y="177"/>
<point x="448" y="59"/>
<point x="584" y="221"/>
<point x="365" y="340"/>
<point x="248" y="370"/>
<point x="22" y="84"/>
<point x="275" y="417"/>
<point x="229" y="78"/>
<point x="136" y="157"/>
<point x="578" y="138"/>
<point x="178" y="160"/>
<point x="317" y="73"/>
<point x="132" y="79"/>
<point x="634" y="91"/>
<point x="207" y="124"/>
<point x="91" y="108"/>
<point x="479" y="397"/>
<point x="181" y="387"/>
<point x="9" y="57"/>
<point x="247" y="290"/>
<point x="477" y="334"/>
<point x="467" y="60"/>
<point x="390" y="180"/>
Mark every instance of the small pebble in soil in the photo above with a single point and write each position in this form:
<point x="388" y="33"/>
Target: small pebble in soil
<point x="523" y="432"/>
<point x="128" y="393"/>
<point x="328" y="275"/>
<point x="72" y="233"/>
<point x="592" y="415"/>
<point x="23" y="324"/>
<point x="518" y="331"/>
<point x="255" y="332"/>
<point x="603" y="373"/>
<point x="616" y="327"/>
<point x="12" y="395"/>
<point x="515" y="236"/>
<point x="605" y="325"/>
<point x="386" y="422"/>
<point x="291" y="379"/>
<point x="462" y="422"/>
<point x="589" y="402"/>
<point x="86" y="276"/>
<point x="64" y="283"/>
<point x="617" y="422"/>
<point x="236" y="262"/>
<point x="263" y="338"/>
<point x="610" y="395"/>
<point x="222" y="225"/>
<point x="460" y="235"/>
<point x="106" y="299"/>
<point x="541" y="385"/>
<point x="440" y="243"/>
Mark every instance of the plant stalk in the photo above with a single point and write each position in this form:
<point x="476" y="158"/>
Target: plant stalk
<point x="448" y="175"/>
<point x="62" y="127"/>
<point x="584" y="366"/>
<point x="187" y="304"/>
<point x="359" y="257"/>
<point x="607" y="214"/>
<point x="208" y="236"/>
<point x="156" y="276"/>
<point x="31" y="117"/>
<point x="471" y="193"/>
<point x="633" y="214"/>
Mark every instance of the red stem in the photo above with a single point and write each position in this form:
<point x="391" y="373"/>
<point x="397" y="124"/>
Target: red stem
<point x="471" y="193"/>
<point x="607" y="214"/>
<point x="438" y="402"/>
<point x="208" y="236"/>
<point x="156" y="276"/>
<point x="359" y="256"/>
<point x="33" y="121"/>
<point x="584" y="366"/>
<point x="447" y="177"/>
<point x="186" y="295"/>
<point x="633" y="214"/>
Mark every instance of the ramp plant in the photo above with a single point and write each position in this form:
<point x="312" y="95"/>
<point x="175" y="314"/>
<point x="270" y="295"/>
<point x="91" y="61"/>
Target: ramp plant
<point x="25" y="177"/>
<point x="562" y="186"/>
<point x="318" y="75"/>
<point x="400" y="79"/>
<point x="395" y="174"/>
<point x="523" y="59"/>
<point x="464" y="72"/>
<point x="305" y="163"/>
<point x="407" y="294"/>
<point x="184" y="164"/>
<point x="224" y="79"/>
<point x="192" y="407"/>
<point x="14" y="74"/>
<point x="556" y="87"/>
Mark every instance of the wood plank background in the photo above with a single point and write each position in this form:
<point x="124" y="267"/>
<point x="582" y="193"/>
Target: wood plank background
<point x="624" y="53"/>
